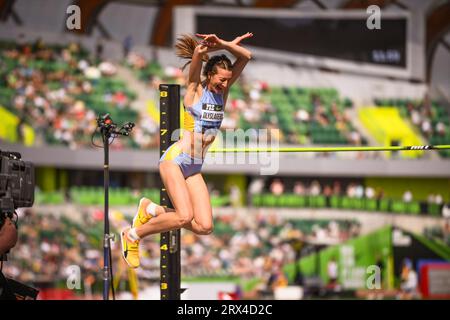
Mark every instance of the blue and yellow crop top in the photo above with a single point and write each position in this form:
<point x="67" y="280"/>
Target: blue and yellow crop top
<point x="206" y="114"/>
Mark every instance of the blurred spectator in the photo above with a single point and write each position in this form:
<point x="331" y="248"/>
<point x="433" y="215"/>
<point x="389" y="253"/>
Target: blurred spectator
<point x="446" y="211"/>
<point x="127" y="45"/>
<point x="277" y="187"/>
<point x="446" y="231"/>
<point x="438" y="199"/>
<point x="256" y="187"/>
<point x="426" y="104"/>
<point x="370" y="193"/>
<point x="99" y="50"/>
<point x="318" y="234"/>
<point x="277" y="278"/>
<point x="315" y="188"/>
<point x="355" y="138"/>
<point x="235" y="196"/>
<point x="299" y="188"/>
<point x="426" y="128"/>
<point x="332" y="273"/>
<point x="333" y="230"/>
<point x="380" y="194"/>
<point x="302" y="115"/>
<point x="359" y="191"/>
<point x="327" y="191"/>
<point x="415" y="117"/>
<point x="351" y="190"/>
<point x="440" y="128"/>
<point x="407" y="196"/>
<point x="337" y="188"/>
<point x="230" y="121"/>
<point x="409" y="281"/>
<point x="321" y="115"/>
<point x="107" y="68"/>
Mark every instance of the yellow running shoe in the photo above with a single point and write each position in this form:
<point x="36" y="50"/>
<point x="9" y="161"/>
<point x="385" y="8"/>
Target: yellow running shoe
<point x="142" y="217"/>
<point x="130" y="249"/>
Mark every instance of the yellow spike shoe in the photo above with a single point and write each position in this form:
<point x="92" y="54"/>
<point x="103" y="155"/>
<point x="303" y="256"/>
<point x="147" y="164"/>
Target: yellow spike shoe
<point x="142" y="217"/>
<point x="130" y="249"/>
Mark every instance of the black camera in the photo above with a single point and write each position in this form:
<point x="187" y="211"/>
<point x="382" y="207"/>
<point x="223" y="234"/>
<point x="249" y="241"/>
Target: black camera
<point x="106" y="125"/>
<point x="16" y="191"/>
<point x="105" y="122"/>
<point x="16" y="184"/>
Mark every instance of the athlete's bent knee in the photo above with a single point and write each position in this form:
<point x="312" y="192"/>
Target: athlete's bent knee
<point x="184" y="218"/>
<point x="205" y="228"/>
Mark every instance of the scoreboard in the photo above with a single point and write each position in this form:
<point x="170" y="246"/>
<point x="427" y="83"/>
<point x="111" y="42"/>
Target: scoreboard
<point x="337" y="40"/>
<point x="340" y="38"/>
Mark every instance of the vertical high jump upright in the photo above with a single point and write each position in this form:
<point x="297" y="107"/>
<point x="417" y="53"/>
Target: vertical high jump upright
<point x="170" y="261"/>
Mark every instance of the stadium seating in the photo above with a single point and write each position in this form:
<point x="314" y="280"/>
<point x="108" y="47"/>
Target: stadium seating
<point x="75" y="239"/>
<point x="54" y="88"/>
<point x="325" y="122"/>
<point x="117" y="197"/>
<point x="126" y="197"/>
<point x="387" y="126"/>
<point x="288" y="101"/>
<point x="432" y="119"/>
<point x="342" y="203"/>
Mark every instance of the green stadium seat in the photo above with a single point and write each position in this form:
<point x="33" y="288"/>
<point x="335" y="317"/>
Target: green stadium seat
<point x="286" y="200"/>
<point x="346" y="203"/>
<point x="357" y="203"/>
<point x="335" y="202"/>
<point x="270" y="200"/>
<point x="398" y="206"/>
<point x="257" y="200"/>
<point x="300" y="201"/>
<point x="220" y="201"/>
<point x="317" y="201"/>
<point x="371" y="204"/>
<point x="434" y="209"/>
<point x="413" y="207"/>
<point x="384" y="205"/>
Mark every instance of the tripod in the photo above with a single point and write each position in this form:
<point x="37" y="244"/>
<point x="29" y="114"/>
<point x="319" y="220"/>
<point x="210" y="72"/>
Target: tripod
<point x="108" y="130"/>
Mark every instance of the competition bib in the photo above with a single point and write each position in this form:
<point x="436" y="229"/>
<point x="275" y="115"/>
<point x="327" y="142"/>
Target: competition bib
<point x="212" y="115"/>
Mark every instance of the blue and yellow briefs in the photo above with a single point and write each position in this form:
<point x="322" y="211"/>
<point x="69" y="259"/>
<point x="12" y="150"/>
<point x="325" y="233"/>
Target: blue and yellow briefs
<point x="206" y="115"/>
<point x="188" y="165"/>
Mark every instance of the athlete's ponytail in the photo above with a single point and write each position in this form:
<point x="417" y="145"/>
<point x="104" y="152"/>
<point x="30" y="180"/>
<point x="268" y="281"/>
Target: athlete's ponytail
<point x="185" y="47"/>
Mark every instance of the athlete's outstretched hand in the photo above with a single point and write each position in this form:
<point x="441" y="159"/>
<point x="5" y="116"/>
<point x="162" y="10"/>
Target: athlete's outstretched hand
<point x="203" y="49"/>
<point x="211" y="40"/>
<point x="238" y="40"/>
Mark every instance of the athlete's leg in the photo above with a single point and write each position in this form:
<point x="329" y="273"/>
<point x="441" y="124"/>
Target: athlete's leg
<point x="178" y="192"/>
<point x="176" y="186"/>
<point x="199" y="195"/>
<point x="147" y="209"/>
<point x="203" y="219"/>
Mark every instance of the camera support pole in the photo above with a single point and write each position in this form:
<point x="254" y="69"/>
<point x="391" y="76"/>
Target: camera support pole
<point x="108" y="129"/>
<point x="107" y="237"/>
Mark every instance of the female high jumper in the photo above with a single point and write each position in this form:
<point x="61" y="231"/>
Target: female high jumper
<point x="180" y="166"/>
